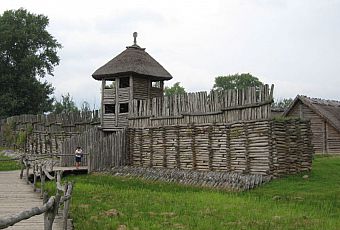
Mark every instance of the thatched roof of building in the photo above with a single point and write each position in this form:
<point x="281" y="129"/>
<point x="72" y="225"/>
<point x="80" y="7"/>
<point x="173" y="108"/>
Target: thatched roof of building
<point x="133" y="60"/>
<point x="327" y="109"/>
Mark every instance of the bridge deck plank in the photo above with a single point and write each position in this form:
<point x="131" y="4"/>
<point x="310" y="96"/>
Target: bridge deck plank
<point x="16" y="196"/>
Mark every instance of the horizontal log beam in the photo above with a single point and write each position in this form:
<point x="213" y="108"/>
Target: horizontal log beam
<point x="15" y="218"/>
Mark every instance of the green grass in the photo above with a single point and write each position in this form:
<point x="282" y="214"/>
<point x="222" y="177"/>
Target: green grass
<point x="8" y="165"/>
<point x="287" y="203"/>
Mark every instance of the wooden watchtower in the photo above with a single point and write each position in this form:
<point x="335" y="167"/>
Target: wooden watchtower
<point x="133" y="74"/>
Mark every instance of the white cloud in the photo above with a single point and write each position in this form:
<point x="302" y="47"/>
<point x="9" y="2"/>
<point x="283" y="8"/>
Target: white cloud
<point x="293" y="44"/>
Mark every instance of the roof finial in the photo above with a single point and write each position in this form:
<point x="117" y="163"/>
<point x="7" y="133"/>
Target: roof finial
<point x="135" y="46"/>
<point x="135" y="38"/>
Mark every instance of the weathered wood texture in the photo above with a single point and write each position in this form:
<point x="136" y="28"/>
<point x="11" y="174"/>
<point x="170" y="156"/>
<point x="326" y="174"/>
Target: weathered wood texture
<point x="16" y="196"/>
<point x="104" y="149"/>
<point x="333" y="140"/>
<point x="223" y="131"/>
<point x="199" y="108"/>
<point x="139" y="88"/>
<point x="325" y="138"/>
<point x="47" y="132"/>
<point x="266" y="147"/>
<point x="213" y="179"/>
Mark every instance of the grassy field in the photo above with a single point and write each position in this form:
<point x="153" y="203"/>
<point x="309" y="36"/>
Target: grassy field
<point x="8" y="165"/>
<point x="105" y="202"/>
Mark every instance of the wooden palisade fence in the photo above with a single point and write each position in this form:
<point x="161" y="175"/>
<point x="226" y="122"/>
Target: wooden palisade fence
<point x="105" y="150"/>
<point x="262" y="147"/>
<point x="200" y="108"/>
<point x="229" y="131"/>
<point x="46" y="133"/>
<point x="222" y="131"/>
<point x="50" y="205"/>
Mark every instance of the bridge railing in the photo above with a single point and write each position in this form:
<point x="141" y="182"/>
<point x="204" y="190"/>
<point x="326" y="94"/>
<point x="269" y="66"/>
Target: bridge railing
<point x="41" y="167"/>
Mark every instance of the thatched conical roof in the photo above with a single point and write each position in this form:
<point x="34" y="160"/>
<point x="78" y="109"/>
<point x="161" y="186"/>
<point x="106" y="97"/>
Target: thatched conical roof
<point x="133" y="60"/>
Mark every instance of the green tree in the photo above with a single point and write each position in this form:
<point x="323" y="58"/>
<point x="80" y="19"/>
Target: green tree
<point x="236" y="81"/>
<point x="65" y="105"/>
<point x="27" y="52"/>
<point x="175" y="89"/>
<point x="282" y="103"/>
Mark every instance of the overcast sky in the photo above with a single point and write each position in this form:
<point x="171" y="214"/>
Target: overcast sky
<point x="293" y="44"/>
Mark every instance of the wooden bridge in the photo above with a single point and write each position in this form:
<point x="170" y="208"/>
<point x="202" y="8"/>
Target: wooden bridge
<point x="17" y="196"/>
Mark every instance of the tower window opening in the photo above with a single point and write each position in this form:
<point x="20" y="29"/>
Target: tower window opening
<point x="124" y="82"/>
<point x="109" y="108"/>
<point x="124" y="108"/>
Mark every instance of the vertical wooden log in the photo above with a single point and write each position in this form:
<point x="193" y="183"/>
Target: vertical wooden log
<point x="34" y="176"/>
<point x="178" y="160"/>
<point x="45" y="197"/>
<point x="68" y="192"/>
<point x="228" y="155"/>
<point x="58" y="177"/>
<point x="247" y="159"/>
<point x="210" y="150"/>
<point x="141" y="148"/>
<point x="22" y="166"/>
<point x="164" y="147"/>
<point x="151" y="147"/>
<point x="300" y="145"/>
<point x="89" y="161"/>
<point x="52" y="162"/>
<point x="42" y="180"/>
<point x="27" y="172"/>
<point x="117" y="101"/>
<point x="130" y="147"/>
<point x="50" y="214"/>
<point x="287" y="164"/>
<point x="193" y="147"/>
<point x="271" y="146"/>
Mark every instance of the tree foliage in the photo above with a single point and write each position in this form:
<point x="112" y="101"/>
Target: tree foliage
<point x="236" y="81"/>
<point x="282" y="103"/>
<point x="65" y="105"/>
<point x="175" y="89"/>
<point x="27" y="51"/>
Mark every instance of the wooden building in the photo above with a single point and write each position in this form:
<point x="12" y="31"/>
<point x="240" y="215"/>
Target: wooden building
<point x="277" y="112"/>
<point x="325" y="121"/>
<point x="133" y="74"/>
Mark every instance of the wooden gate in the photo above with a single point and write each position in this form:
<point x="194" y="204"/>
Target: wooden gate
<point x="102" y="150"/>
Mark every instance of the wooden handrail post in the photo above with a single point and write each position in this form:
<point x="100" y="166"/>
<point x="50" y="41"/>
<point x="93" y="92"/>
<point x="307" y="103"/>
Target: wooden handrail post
<point x="22" y="166"/>
<point x="34" y="176"/>
<point x="52" y="163"/>
<point x="88" y="159"/>
<point x="27" y="172"/>
<point x="42" y="180"/>
<point x="50" y="214"/>
<point x="68" y="191"/>
<point x="58" y="177"/>
<point x="45" y="197"/>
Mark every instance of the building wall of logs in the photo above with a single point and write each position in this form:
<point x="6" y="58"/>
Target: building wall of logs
<point x="333" y="140"/>
<point x="325" y="139"/>
<point x="266" y="147"/>
<point x="46" y="133"/>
